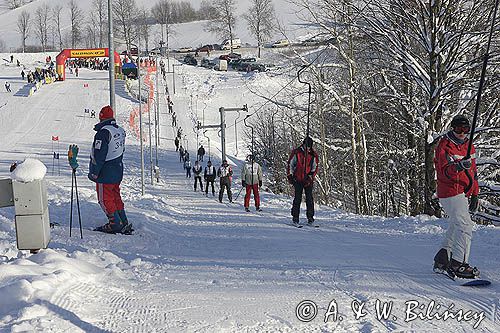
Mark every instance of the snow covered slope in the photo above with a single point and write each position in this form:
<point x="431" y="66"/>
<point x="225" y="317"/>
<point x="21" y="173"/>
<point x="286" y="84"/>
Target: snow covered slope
<point x="195" y="265"/>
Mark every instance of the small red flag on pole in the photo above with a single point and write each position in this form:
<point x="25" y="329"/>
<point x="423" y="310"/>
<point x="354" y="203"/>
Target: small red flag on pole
<point x="55" y="138"/>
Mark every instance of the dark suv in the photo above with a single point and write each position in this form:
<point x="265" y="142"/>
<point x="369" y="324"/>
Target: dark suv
<point x="190" y="60"/>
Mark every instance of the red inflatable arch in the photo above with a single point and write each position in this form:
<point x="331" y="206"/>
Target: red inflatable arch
<point x="82" y="53"/>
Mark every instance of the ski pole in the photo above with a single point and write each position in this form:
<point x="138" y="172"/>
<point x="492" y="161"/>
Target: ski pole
<point x="237" y="196"/>
<point x="71" y="209"/>
<point x="78" y="205"/>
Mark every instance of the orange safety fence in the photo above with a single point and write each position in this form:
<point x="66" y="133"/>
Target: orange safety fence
<point x="145" y="108"/>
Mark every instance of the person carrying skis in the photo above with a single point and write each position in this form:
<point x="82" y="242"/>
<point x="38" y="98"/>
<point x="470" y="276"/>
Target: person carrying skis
<point x="209" y="176"/>
<point x="106" y="170"/>
<point x="226" y="174"/>
<point x="187" y="166"/>
<point x="197" y="175"/>
<point x="301" y="171"/>
<point x="251" y="179"/>
<point x="201" y="153"/>
<point x="176" y="141"/>
<point x="456" y="181"/>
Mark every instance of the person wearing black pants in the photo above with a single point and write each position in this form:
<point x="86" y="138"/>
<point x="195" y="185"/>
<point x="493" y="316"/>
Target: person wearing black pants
<point x="197" y="175"/>
<point x="297" y="200"/>
<point x="209" y="176"/>
<point x="301" y="171"/>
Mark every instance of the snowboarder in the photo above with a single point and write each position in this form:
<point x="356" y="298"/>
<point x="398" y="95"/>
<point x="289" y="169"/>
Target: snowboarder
<point x="209" y="177"/>
<point x="201" y="153"/>
<point x="7" y="86"/>
<point x="181" y="154"/>
<point x="456" y="180"/>
<point x="197" y="175"/>
<point x="226" y="174"/>
<point x="301" y="170"/>
<point x="187" y="166"/>
<point x="106" y="170"/>
<point x="176" y="141"/>
<point x="251" y="179"/>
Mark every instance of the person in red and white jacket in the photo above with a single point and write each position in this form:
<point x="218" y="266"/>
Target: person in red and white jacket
<point x="456" y="181"/>
<point x="301" y="171"/>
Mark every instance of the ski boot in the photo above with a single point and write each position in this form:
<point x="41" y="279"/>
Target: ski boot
<point x="247" y="210"/>
<point x="295" y="220"/>
<point x="462" y="270"/>
<point x="258" y="209"/>
<point x="310" y="221"/>
<point x="441" y="261"/>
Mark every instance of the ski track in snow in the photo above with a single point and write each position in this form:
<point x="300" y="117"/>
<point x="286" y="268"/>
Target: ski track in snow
<point x="193" y="264"/>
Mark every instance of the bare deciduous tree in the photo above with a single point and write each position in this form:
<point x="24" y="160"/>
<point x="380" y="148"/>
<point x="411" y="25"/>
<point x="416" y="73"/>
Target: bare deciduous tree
<point x="76" y="19"/>
<point x="23" y="26"/>
<point x="42" y="25"/>
<point x="56" y="17"/>
<point x="124" y="13"/>
<point x="224" y="20"/>
<point x="261" y="21"/>
<point x="101" y="15"/>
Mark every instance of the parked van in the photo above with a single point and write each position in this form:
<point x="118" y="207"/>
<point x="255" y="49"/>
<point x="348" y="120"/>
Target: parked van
<point x="226" y="45"/>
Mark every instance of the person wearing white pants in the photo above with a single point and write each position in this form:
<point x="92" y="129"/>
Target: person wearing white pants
<point x="456" y="181"/>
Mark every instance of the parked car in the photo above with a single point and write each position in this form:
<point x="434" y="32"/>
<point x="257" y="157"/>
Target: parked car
<point x="226" y="44"/>
<point x="190" y="60"/>
<point x="133" y="51"/>
<point x="253" y="66"/>
<point x="205" y="48"/>
<point x="235" y="64"/>
<point x="185" y="49"/>
<point x="208" y="63"/>
<point x="231" y="56"/>
<point x="281" y="43"/>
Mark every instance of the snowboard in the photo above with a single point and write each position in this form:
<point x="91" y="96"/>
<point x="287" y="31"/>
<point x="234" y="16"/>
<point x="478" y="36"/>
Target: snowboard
<point x="478" y="282"/>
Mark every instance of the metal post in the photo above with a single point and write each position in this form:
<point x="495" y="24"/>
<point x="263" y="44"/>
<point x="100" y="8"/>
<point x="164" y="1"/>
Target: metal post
<point x="111" y="57"/>
<point x="150" y="141"/>
<point x="223" y="132"/>
<point x="157" y="114"/>
<point x="140" y="118"/>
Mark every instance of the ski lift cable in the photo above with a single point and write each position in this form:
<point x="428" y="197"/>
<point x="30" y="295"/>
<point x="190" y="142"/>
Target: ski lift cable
<point x="283" y="88"/>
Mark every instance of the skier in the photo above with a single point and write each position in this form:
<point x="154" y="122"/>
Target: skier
<point x="176" y="141"/>
<point x="7" y="86"/>
<point x="251" y="179"/>
<point x="209" y="177"/>
<point x="186" y="155"/>
<point x="201" y="153"/>
<point x="456" y="180"/>
<point x="106" y="170"/>
<point x="23" y="74"/>
<point x="197" y="175"/>
<point x="170" y="106"/>
<point x="301" y="170"/>
<point x="181" y="154"/>
<point x="76" y="71"/>
<point x="225" y="173"/>
<point x="187" y="166"/>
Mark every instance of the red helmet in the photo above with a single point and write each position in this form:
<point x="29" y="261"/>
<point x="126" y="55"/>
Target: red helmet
<point x="106" y="113"/>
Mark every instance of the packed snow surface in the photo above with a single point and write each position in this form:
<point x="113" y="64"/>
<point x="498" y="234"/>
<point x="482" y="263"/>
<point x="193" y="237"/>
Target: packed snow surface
<point x="194" y="264"/>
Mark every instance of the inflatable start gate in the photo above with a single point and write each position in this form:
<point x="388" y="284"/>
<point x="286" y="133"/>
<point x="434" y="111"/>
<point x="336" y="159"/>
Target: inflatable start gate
<point x="82" y="53"/>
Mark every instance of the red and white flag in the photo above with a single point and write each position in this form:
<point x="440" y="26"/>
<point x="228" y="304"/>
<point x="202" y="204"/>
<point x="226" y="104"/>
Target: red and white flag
<point x="55" y="138"/>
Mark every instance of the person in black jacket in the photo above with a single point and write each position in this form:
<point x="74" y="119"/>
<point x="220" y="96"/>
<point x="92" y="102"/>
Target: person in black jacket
<point x="201" y="153"/>
<point x="197" y="169"/>
<point x="209" y="175"/>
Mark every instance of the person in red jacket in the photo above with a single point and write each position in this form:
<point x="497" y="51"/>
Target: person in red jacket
<point x="301" y="170"/>
<point x="456" y="181"/>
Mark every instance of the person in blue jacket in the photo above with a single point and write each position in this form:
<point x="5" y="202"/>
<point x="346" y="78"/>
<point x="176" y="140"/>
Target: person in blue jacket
<point x="106" y="170"/>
